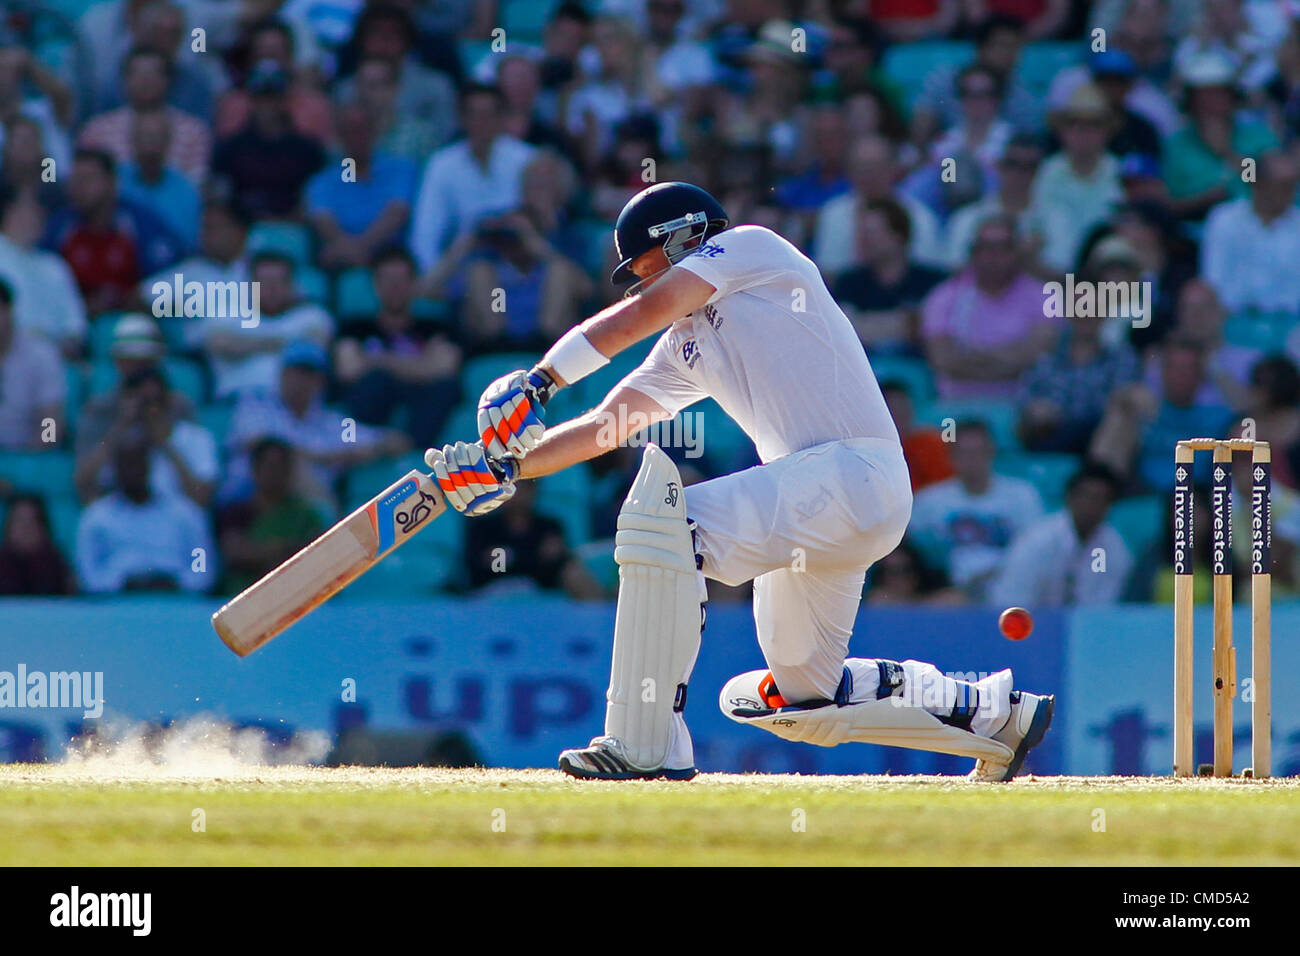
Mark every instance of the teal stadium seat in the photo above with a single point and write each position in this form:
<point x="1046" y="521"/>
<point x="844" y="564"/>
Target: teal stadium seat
<point x="314" y="285"/>
<point x="354" y="295"/>
<point x="99" y="337"/>
<point x="474" y="56"/>
<point x="74" y="378"/>
<point x="1041" y="61"/>
<point x="184" y="375"/>
<point x="914" y="373"/>
<point x="1141" y="522"/>
<point x="565" y="496"/>
<point x="64" y="513"/>
<point x="288" y="238"/>
<point x="215" y="417"/>
<point x="431" y="310"/>
<point x="1265" y="331"/>
<point x="525" y="20"/>
<point x="47" y="473"/>
<point x="908" y="64"/>
<point x="598" y="245"/>
<point x="1046" y="471"/>
<point x="999" y="414"/>
<point x="478" y="373"/>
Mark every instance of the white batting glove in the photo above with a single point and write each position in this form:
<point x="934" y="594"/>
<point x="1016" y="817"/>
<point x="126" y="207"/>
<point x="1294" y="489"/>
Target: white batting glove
<point x="473" y="484"/>
<point x="510" y="421"/>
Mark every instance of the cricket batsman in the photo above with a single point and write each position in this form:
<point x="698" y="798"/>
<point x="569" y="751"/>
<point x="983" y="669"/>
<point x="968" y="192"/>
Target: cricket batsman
<point x="744" y="318"/>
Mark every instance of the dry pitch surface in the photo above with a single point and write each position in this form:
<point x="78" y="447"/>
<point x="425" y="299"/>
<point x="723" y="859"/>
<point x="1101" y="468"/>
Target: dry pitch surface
<point x="99" y="814"/>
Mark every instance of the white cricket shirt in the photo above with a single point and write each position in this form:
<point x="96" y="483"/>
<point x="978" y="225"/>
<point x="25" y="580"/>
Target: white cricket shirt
<point x="771" y="347"/>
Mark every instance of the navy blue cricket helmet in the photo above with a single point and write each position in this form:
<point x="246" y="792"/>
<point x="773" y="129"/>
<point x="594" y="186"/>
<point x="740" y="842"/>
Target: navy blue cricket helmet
<point x="667" y="215"/>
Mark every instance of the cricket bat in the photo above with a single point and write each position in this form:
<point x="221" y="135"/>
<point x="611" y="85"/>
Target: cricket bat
<point x="330" y="563"/>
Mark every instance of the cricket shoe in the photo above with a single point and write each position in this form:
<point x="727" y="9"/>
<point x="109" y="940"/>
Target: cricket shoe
<point x="1031" y="715"/>
<point x="605" y="758"/>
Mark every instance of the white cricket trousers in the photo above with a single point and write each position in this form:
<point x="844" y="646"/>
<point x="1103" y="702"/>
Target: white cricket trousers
<point x="804" y="529"/>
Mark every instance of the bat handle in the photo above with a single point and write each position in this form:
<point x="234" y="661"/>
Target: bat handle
<point x="540" y="386"/>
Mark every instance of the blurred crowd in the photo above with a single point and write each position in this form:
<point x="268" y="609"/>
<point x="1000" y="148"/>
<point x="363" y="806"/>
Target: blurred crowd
<point x="408" y="194"/>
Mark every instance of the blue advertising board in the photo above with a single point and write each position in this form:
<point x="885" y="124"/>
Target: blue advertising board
<point x="526" y="678"/>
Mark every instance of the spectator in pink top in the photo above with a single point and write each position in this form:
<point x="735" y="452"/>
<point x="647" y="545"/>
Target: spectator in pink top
<point x="146" y="77"/>
<point x="985" y="326"/>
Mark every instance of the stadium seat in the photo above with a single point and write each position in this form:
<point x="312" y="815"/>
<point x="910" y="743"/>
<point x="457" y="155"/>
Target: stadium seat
<point x="525" y="20"/>
<point x="76" y="385"/>
<point x="354" y="295"/>
<point x="184" y="376"/>
<point x="999" y="414"/>
<point x="47" y="473"/>
<point x="1265" y="331"/>
<point x="595" y="386"/>
<point x="1141" y="522"/>
<point x="478" y="373"/>
<point x="431" y="310"/>
<point x="1041" y="61"/>
<point x="565" y="496"/>
<point x="914" y="373"/>
<point x="64" y="512"/>
<point x="314" y="285"/>
<point x="475" y="57"/>
<point x="215" y="417"/>
<point x="1048" y="472"/>
<point x="99" y="336"/>
<point x="366" y="481"/>
<point x="598" y="558"/>
<point x="461" y="424"/>
<point x="288" y="238"/>
<point x="598" y="242"/>
<point x="908" y="64"/>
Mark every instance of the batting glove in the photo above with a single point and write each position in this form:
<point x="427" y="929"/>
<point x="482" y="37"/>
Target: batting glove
<point x="510" y="417"/>
<point x="473" y="483"/>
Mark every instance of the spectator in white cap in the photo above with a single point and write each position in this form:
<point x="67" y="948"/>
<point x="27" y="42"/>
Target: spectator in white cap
<point x="1203" y="161"/>
<point x="1078" y="187"/>
<point x="137" y="344"/>
<point x="182" y="455"/>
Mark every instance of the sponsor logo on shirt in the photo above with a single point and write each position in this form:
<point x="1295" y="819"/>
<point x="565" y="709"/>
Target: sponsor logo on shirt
<point x="709" y="249"/>
<point x="690" y="353"/>
<point x="713" y="317"/>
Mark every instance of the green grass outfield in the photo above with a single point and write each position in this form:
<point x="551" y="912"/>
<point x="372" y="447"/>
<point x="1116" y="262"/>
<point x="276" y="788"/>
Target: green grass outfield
<point x="87" y="816"/>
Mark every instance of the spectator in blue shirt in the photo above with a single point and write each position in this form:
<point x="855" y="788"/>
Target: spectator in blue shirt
<point x="361" y="203"/>
<point x="148" y="181"/>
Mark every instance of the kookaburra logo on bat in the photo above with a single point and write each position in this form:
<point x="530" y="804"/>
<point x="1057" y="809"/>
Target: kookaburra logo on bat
<point x="409" y="519"/>
<point x="671" y="498"/>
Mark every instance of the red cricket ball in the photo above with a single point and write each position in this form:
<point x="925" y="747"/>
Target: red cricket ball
<point x="1015" y="623"/>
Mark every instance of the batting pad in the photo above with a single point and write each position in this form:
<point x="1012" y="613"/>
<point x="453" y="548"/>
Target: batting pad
<point x="657" y="625"/>
<point x="890" y="722"/>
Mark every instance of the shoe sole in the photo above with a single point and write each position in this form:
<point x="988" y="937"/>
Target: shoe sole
<point x="1037" y="730"/>
<point x="582" y="773"/>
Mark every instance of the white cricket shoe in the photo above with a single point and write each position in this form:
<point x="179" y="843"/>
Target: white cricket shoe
<point x="1031" y="715"/>
<point x="606" y="759"/>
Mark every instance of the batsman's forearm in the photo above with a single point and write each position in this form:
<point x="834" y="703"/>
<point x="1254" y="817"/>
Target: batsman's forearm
<point x="564" y="445"/>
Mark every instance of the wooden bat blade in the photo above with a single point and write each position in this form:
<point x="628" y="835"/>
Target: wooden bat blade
<point x="329" y="564"/>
